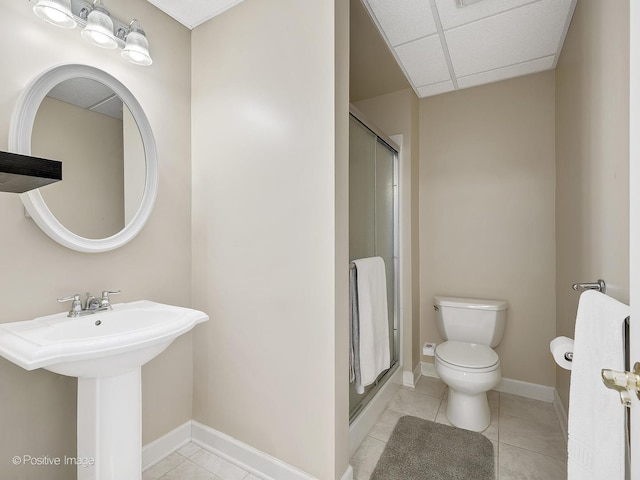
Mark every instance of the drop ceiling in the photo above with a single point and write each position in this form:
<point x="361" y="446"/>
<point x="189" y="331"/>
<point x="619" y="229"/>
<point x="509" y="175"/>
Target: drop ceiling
<point x="445" y="45"/>
<point x="192" y="13"/>
<point x="442" y="46"/>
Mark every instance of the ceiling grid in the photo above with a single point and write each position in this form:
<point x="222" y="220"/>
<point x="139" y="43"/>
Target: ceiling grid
<point x="441" y="46"/>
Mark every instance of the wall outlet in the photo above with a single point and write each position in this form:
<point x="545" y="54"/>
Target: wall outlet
<point x="429" y="349"/>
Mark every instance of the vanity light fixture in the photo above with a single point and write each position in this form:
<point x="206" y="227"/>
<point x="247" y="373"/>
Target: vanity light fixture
<point x="136" y="49"/>
<point x="56" y="12"/>
<point x="98" y="26"/>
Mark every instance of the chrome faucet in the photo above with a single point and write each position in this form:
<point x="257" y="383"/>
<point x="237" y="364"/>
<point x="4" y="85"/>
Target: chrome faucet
<point x="91" y="305"/>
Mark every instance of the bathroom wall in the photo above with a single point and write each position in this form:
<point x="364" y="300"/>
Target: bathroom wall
<point x="487" y="215"/>
<point x="397" y="113"/>
<point x="39" y="408"/>
<point x="592" y="156"/>
<point x="270" y="236"/>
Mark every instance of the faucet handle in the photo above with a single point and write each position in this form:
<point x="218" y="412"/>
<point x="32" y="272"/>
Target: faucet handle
<point x="106" y="302"/>
<point x="76" y="305"/>
<point x="75" y="297"/>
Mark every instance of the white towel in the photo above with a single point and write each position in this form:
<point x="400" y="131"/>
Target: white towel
<point x="373" y="320"/>
<point x="596" y="416"/>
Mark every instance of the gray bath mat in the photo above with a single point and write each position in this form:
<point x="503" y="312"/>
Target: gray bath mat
<point x="423" y="450"/>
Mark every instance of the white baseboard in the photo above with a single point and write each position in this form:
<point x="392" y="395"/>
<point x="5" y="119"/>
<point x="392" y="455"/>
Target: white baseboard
<point x="410" y="379"/>
<point x="561" y="413"/>
<point x="428" y="369"/>
<point x="245" y="456"/>
<point x="526" y="389"/>
<point x="362" y="424"/>
<point x="508" y="385"/>
<point x="164" y="446"/>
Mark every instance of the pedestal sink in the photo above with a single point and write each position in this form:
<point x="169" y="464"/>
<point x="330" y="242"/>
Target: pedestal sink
<point x="105" y="351"/>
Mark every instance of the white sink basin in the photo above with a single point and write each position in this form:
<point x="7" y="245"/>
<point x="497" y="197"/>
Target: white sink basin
<point x="102" y="344"/>
<point x="105" y="351"/>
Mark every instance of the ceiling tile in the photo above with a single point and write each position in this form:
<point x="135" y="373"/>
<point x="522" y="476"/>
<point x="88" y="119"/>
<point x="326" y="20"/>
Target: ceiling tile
<point x="516" y="36"/>
<point x="436" y="89"/>
<point x="510" y="71"/>
<point x="451" y="15"/>
<point x="424" y="61"/>
<point x="403" y="21"/>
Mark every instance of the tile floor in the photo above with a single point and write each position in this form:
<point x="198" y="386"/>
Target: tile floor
<point x="526" y="435"/>
<point x="194" y="463"/>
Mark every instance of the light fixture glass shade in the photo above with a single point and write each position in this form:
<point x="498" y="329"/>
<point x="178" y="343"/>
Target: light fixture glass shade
<point x="56" y="12"/>
<point x="99" y="29"/>
<point x="137" y="48"/>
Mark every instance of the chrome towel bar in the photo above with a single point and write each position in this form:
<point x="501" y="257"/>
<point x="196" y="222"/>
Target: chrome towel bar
<point x="599" y="286"/>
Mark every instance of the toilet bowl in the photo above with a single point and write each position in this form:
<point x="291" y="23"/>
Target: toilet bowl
<point x="470" y="370"/>
<point x="466" y="362"/>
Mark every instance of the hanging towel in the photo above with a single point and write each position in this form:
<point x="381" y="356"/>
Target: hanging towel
<point x="596" y="416"/>
<point x="372" y="355"/>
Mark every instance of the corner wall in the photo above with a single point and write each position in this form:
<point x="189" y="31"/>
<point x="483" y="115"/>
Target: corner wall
<point x="487" y="214"/>
<point x="38" y="415"/>
<point x="269" y="112"/>
<point x="592" y="156"/>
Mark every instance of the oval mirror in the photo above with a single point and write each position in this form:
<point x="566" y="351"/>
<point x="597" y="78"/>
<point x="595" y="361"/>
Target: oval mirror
<point x="91" y="122"/>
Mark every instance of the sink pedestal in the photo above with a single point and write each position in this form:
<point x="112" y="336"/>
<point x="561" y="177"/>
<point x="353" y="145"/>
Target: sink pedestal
<point x="109" y="427"/>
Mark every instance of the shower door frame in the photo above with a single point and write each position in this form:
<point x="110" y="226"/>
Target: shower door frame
<point x="396" y="360"/>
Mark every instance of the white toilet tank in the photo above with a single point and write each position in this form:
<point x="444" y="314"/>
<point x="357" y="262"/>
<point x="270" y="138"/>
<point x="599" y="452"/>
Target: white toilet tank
<point x="471" y="320"/>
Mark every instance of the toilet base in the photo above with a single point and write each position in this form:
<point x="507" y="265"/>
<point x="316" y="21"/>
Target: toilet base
<point x="468" y="411"/>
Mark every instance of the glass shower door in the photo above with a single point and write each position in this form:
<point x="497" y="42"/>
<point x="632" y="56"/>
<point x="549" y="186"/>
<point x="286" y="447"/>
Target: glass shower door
<point x="373" y="225"/>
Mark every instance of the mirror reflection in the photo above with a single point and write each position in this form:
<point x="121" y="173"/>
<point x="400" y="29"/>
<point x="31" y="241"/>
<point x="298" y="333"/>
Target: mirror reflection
<point x="87" y="126"/>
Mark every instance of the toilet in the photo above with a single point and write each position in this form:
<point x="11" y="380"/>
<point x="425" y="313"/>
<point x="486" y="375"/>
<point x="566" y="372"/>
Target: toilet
<point x="466" y="362"/>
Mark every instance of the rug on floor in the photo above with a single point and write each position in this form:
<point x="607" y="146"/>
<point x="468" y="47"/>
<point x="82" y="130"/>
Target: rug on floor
<point x="422" y="450"/>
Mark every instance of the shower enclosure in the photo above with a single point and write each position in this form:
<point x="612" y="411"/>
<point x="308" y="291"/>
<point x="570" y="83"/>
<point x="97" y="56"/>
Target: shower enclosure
<point x="373" y="227"/>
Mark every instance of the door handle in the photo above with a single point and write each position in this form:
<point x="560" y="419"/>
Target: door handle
<point x="625" y="383"/>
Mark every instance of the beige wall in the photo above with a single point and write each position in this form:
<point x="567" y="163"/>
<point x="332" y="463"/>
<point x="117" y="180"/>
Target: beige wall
<point x="269" y="232"/>
<point x="397" y="114"/>
<point x="38" y="408"/>
<point x="487" y="226"/>
<point x="592" y="155"/>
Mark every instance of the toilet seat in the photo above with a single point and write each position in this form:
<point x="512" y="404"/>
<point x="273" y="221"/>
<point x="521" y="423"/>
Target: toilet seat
<point x="465" y="356"/>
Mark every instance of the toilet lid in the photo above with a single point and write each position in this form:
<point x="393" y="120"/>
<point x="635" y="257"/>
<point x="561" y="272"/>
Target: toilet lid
<point x="468" y="355"/>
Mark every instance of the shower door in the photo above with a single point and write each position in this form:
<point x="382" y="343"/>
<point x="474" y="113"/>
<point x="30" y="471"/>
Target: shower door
<point x="373" y="226"/>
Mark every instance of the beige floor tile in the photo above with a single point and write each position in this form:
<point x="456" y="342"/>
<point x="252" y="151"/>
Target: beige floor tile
<point x="163" y="466"/>
<point x="366" y="458"/>
<point x="532" y="435"/>
<point x="528" y="408"/>
<point x="496" y="457"/>
<point x="189" y="449"/>
<point x="410" y="402"/>
<point x="188" y="471"/>
<point x="384" y="426"/>
<point x="431" y="386"/>
<point x="218" y="466"/>
<point x="520" y="464"/>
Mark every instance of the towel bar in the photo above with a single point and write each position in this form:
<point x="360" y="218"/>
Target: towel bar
<point x="599" y="286"/>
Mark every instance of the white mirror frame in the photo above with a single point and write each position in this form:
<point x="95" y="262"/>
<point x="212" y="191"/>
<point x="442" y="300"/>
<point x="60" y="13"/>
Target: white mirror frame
<point x="20" y="132"/>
